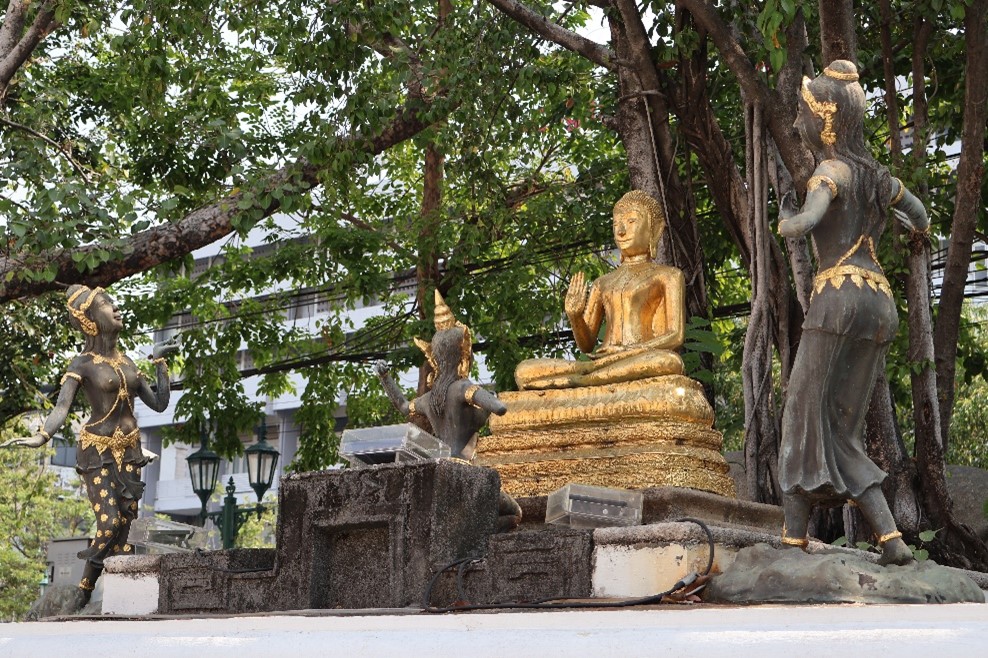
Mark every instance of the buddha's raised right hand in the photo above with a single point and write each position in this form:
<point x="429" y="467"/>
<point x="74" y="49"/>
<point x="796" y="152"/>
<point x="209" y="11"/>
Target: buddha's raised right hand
<point x="576" y="296"/>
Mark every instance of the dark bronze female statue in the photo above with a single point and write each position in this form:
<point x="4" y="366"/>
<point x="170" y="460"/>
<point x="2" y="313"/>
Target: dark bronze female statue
<point x="851" y="318"/>
<point x="454" y="408"/>
<point x="110" y="456"/>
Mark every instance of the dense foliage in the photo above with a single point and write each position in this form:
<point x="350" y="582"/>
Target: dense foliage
<point x="34" y="509"/>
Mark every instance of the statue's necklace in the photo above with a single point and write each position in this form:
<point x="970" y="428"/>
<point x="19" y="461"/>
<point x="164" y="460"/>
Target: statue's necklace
<point x="114" y="362"/>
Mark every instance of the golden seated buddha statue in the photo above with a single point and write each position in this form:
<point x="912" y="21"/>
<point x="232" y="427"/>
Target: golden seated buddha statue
<point x="627" y="417"/>
<point x="642" y="302"/>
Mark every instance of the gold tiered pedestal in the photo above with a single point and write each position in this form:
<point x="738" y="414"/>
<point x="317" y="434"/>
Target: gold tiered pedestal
<point x="635" y="435"/>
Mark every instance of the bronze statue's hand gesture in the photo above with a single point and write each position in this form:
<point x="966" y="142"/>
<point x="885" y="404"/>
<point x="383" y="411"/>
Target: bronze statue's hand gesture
<point x="381" y="368"/>
<point x="904" y="219"/>
<point x="166" y="348"/>
<point x="35" y="441"/>
<point x="788" y="206"/>
<point x="576" y="296"/>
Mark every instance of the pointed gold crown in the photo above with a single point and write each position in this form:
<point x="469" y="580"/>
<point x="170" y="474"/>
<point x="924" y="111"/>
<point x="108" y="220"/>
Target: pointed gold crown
<point x="443" y="319"/>
<point x="442" y="316"/>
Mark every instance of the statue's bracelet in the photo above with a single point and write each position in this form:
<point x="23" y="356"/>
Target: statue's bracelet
<point x="45" y="434"/>
<point x="160" y="361"/>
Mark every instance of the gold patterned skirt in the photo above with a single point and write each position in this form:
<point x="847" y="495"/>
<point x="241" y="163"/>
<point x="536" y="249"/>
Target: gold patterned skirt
<point x="114" y="487"/>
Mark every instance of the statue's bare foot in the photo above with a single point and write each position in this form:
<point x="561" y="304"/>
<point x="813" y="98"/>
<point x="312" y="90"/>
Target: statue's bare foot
<point x="895" y="551"/>
<point x="508" y="513"/>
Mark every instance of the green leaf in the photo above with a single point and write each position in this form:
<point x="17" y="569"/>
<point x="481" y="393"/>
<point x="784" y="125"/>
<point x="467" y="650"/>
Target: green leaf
<point x="778" y="59"/>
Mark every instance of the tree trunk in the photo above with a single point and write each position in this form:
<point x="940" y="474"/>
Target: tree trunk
<point x="427" y="268"/>
<point x="777" y="318"/>
<point x="926" y="412"/>
<point x="761" y="452"/>
<point x="967" y="207"/>
<point x="955" y="543"/>
<point x="837" y="34"/>
<point x="886" y="447"/>
<point x="643" y="127"/>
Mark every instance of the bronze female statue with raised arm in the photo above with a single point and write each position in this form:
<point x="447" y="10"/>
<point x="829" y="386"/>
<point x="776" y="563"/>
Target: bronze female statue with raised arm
<point x="110" y="456"/>
<point x="454" y="408"/>
<point x="851" y="318"/>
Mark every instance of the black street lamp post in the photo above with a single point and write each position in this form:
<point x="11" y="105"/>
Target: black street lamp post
<point x="204" y="469"/>
<point x="262" y="462"/>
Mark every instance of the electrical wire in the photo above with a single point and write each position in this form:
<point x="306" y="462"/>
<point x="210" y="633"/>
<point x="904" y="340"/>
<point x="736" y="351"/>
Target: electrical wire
<point x="556" y="603"/>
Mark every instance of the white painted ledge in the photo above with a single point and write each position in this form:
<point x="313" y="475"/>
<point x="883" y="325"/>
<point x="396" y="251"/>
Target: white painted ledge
<point x="130" y="585"/>
<point x="709" y="631"/>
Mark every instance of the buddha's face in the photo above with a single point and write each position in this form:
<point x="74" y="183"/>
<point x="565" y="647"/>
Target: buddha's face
<point x="631" y="231"/>
<point x="105" y="314"/>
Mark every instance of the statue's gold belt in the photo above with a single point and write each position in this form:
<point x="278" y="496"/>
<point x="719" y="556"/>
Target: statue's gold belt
<point x="837" y="275"/>
<point x="117" y="444"/>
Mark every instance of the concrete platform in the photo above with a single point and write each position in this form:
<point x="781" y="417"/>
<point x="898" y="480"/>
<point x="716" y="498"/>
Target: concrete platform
<point x="957" y="630"/>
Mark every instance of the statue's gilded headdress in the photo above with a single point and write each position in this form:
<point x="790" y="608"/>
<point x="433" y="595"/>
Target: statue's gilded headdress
<point x="654" y="215"/>
<point x="79" y="312"/>
<point x="444" y="320"/>
<point x="850" y="93"/>
<point x="823" y="109"/>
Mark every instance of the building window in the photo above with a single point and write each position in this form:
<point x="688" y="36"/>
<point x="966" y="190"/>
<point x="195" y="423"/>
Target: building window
<point x="65" y="452"/>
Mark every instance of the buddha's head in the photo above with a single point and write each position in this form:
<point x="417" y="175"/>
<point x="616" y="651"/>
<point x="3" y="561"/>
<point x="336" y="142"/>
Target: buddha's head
<point x="638" y="224"/>
<point x="831" y="109"/>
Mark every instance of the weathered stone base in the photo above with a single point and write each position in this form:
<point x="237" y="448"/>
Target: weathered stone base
<point x="634" y="435"/>
<point x="541" y="562"/>
<point x="664" y="504"/>
<point x="763" y="574"/>
<point x="362" y="538"/>
<point x="60" y="601"/>
<point x="375" y="537"/>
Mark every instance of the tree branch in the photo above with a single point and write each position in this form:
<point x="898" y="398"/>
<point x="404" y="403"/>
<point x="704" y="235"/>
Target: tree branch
<point x="201" y="227"/>
<point x="366" y="226"/>
<point x="752" y="86"/>
<point x="13" y="25"/>
<point x="734" y="56"/>
<point x="970" y="176"/>
<point x="43" y="23"/>
<point x="556" y="33"/>
<point x="58" y="147"/>
<point x="388" y="46"/>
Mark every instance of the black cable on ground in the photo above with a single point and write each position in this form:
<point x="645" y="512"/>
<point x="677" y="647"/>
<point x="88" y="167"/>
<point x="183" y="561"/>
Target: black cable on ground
<point x="557" y="604"/>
